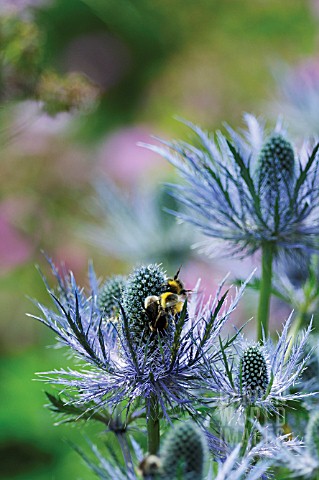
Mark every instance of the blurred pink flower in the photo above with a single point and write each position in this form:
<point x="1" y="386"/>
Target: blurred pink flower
<point x="314" y="6"/>
<point x="31" y="129"/>
<point x="123" y="160"/>
<point x="73" y="257"/>
<point x="211" y="275"/>
<point x="38" y="137"/>
<point x="306" y="74"/>
<point x="14" y="248"/>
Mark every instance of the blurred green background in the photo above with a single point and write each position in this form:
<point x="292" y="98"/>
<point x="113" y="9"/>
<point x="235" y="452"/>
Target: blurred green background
<point x="207" y="61"/>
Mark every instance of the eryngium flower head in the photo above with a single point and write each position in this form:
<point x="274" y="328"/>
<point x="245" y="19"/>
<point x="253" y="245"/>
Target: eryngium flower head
<point x="118" y="367"/>
<point x="253" y="373"/>
<point x="275" y="169"/>
<point x="110" y="294"/>
<point x="265" y="373"/>
<point x="144" y="282"/>
<point x="248" y="188"/>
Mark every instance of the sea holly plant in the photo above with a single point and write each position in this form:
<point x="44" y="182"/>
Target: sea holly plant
<point x="250" y="190"/>
<point x="130" y="363"/>
<point x="156" y="359"/>
<point x="136" y="368"/>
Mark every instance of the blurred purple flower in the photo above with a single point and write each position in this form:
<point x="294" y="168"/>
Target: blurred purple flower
<point x="104" y="58"/>
<point x="123" y="160"/>
<point x="19" y="6"/>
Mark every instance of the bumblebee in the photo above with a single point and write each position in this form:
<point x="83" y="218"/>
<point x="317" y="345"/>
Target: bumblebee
<point x="161" y="309"/>
<point x="165" y="307"/>
<point x="171" y="303"/>
<point x="175" y="285"/>
<point x="156" y="316"/>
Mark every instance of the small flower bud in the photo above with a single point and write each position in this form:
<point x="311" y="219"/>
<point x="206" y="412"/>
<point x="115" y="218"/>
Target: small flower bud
<point x="110" y="294"/>
<point x="183" y="453"/>
<point x="253" y="373"/>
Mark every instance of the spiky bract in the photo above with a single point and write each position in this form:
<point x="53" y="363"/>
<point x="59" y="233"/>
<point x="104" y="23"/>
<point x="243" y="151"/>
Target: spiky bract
<point x="230" y="179"/>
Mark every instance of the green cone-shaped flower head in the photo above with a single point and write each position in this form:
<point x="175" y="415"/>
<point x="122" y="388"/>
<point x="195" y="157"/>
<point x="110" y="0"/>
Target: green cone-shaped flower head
<point x="183" y="453"/>
<point x="253" y="373"/>
<point x="144" y="282"/>
<point x="276" y="165"/>
<point x="312" y="434"/>
<point x="110" y="294"/>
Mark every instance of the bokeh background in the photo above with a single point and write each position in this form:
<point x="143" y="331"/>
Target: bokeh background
<point x="81" y="82"/>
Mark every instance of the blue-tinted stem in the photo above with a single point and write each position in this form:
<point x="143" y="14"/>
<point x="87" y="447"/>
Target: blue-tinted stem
<point x="265" y="291"/>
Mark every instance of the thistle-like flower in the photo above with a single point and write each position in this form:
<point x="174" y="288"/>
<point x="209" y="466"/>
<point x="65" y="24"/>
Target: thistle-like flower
<point x="251" y="189"/>
<point x="262" y="375"/>
<point x="130" y="360"/>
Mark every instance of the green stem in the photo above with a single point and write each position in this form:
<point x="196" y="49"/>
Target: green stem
<point x="247" y="431"/>
<point x="295" y="328"/>
<point x="153" y="427"/>
<point x="299" y="321"/>
<point x="265" y="291"/>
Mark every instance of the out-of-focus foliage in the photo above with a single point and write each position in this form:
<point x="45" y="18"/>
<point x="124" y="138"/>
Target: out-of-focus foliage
<point x="24" y="73"/>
